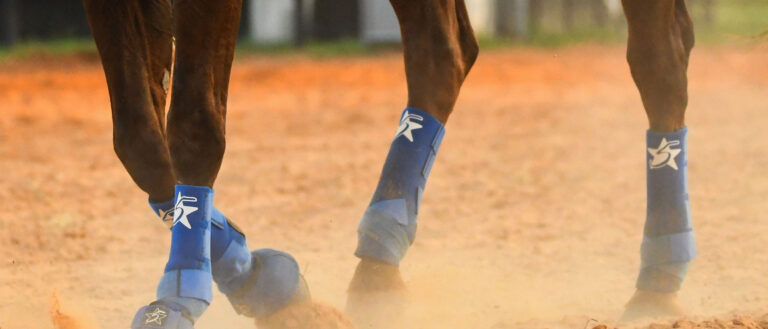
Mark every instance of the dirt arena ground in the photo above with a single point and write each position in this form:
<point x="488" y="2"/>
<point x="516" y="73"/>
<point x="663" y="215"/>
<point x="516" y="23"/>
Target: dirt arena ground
<point x="532" y="218"/>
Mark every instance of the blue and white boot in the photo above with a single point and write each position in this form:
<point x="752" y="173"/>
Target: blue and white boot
<point x="668" y="244"/>
<point x="377" y="297"/>
<point x="185" y="290"/>
<point x="257" y="284"/>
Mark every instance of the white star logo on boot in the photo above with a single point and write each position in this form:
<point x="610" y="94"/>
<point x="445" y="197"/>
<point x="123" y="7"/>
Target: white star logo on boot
<point x="155" y="317"/>
<point x="664" y="155"/>
<point x="407" y="126"/>
<point x="181" y="210"/>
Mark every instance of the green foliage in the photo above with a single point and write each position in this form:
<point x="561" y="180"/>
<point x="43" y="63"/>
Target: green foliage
<point x="734" y="21"/>
<point x="315" y="49"/>
<point x="555" y="39"/>
<point x="29" y="49"/>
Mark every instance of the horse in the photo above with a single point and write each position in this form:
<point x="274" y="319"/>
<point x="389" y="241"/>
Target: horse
<point x="176" y="162"/>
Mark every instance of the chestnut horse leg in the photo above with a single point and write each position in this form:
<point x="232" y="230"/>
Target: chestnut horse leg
<point x="660" y="41"/>
<point x="206" y="33"/>
<point x="260" y="283"/>
<point x="440" y="48"/>
<point x="134" y="42"/>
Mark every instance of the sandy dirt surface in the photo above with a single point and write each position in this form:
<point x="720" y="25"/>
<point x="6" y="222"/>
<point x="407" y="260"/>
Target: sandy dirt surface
<point x="532" y="218"/>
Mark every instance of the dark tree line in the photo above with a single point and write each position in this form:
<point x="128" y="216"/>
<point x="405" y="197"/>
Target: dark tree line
<point x="329" y="19"/>
<point x="9" y="24"/>
<point x="41" y="19"/>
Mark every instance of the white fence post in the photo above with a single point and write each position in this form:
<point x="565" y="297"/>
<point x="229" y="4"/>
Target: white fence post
<point x="522" y="12"/>
<point x="482" y="14"/>
<point x="272" y="21"/>
<point x="513" y="18"/>
<point x="378" y="22"/>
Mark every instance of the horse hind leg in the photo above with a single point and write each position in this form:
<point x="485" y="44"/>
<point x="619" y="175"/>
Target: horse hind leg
<point x="439" y="49"/>
<point x="660" y="41"/>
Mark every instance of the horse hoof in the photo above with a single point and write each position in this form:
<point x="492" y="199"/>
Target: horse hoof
<point x="377" y="296"/>
<point x="306" y="315"/>
<point x="646" y="305"/>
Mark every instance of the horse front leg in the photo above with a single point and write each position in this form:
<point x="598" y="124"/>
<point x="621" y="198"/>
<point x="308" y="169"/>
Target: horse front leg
<point x="205" y="34"/>
<point x="205" y="246"/>
<point x="439" y="49"/>
<point x="134" y="42"/>
<point x="660" y="41"/>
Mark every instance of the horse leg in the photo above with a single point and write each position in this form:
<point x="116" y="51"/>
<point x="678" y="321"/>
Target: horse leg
<point x="134" y="42"/>
<point x="439" y="49"/>
<point x="196" y="145"/>
<point x="205" y="246"/>
<point x="205" y="39"/>
<point x="660" y="41"/>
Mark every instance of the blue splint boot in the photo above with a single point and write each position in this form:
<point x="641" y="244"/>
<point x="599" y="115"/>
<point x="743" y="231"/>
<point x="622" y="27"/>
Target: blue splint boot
<point x="258" y="283"/>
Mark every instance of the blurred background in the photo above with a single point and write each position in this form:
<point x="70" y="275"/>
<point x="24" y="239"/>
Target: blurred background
<point x="535" y="208"/>
<point x="33" y="26"/>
